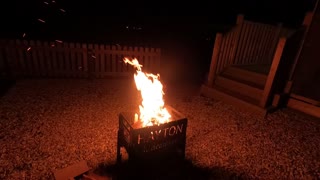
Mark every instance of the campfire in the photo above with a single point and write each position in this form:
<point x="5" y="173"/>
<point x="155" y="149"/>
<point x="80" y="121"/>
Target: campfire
<point x="152" y="110"/>
<point x="157" y="129"/>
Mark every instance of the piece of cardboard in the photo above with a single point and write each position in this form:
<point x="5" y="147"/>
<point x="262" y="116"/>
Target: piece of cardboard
<point x="72" y="171"/>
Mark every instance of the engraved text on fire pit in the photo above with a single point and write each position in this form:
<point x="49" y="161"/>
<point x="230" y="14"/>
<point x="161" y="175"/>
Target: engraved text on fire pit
<point x="162" y="133"/>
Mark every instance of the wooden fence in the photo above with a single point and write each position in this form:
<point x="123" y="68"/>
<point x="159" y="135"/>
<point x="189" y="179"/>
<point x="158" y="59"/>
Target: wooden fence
<point x="72" y="60"/>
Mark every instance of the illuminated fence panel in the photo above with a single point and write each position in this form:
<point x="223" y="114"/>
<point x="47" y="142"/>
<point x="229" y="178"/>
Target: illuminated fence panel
<point x="72" y="60"/>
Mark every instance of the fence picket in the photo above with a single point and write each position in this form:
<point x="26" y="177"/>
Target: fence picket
<point x="61" y="59"/>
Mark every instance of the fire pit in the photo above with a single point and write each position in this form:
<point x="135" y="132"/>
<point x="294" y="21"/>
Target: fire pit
<point x="152" y="142"/>
<point x="157" y="130"/>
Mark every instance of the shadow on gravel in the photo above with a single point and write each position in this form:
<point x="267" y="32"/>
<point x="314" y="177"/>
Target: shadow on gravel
<point x="5" y="85"/>
<point x="164" y="169"/>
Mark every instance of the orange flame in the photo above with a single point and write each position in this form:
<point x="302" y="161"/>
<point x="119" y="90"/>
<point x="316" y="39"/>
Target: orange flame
<point x="152" y="110"/>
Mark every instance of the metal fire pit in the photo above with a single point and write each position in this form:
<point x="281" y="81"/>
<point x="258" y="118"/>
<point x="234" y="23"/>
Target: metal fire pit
<point x="152" y="142"/>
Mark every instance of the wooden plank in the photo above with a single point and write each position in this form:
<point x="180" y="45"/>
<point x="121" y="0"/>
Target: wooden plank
<point x="21" y="57"/>
<point x="254" y="43"/>
<point x="240" y="104"/>
<point x="121" y="53"/>
<point x="108" y="59"/>
<point x="302" y="42"/>
<point x="79" y="60"/>
<point x="158" y="61"/>
<point x="266" y="49"/>
<point x="118" y="59"/>
<point x="241" y="88"/>
<point x="227" y="50"/>
<point x="46" y="59"/>
<point x="244" y="42"/>
<point x="13" y="60"/>
<point x="236" y="42"/>
<point x="258" y="47"/>
<point x="141" y="55"/>
<point x="42" y="70"/>
<point x="113" y="59"/>
<point x="304" y="107"/>
<point x="71" y="172"/>
<point x="115" y="74"/>
<point x="151" y="60"/>
<point x="236" y="58"/>
<point x="221" y="53"/>
<point x="66" y="57"/>
<point x="16" y="61"/>
<point x="305" y="99"/>
<point x="263" y="44"/>
<point x="28" y="58"/>
<point x="214" y="59"/>
<point x="54" y="61"/>
<point x="274" y="42"/>
<point x="146" y="60"/>
<point x="272" y="73"/>
<point x="96" y="60"/>
<point x="74" y="66"/>
<point x="84" y="67"/>
<point x="251" y="44"/>
<point x="61" y="71"/>
<point x="250" y="77"/>
<point x="8" y="52"/>
<point x="91" y="61"/>
<point x="34" y="53"/>
<point x="102" y="60"/>
<point x="125" y="66"/>
<point x="3" y="66"/>
<point x="248" y="46"/>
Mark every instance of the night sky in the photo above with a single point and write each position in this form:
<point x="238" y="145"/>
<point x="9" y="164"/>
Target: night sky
<point x="185" y="31"/>
<point x="89" y="18"/>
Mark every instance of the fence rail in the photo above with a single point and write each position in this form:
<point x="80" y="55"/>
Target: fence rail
<point x="61" y="59"/>
<point x="227" y="48"/>
<point x="257" y="43"/>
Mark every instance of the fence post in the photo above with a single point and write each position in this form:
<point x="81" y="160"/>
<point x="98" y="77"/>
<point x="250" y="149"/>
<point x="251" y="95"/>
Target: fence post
<point x="5" y="68"/>
<point x="272" y="73"/>
<point x="90" y="60"/>
<point x="85" y="60"/>
<point x="10" y="57"/>
<point x="214" y="59"/>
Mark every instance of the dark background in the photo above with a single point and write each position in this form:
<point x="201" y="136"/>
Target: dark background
<point x="185" y="30"/>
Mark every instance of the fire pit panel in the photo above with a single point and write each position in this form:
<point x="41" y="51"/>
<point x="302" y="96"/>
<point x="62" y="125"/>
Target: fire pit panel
<point x="152" y="141"/>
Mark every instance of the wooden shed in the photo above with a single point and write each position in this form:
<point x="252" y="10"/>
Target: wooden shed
<point x="304" y="81"/>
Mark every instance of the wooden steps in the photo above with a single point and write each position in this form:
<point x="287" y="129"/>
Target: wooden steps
<point x="243" y="103"/>
<point x="239" y="87"/>
<point x="251" y="78"/>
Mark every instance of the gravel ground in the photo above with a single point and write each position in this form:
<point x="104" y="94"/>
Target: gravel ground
<point x="48" y="124"/>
